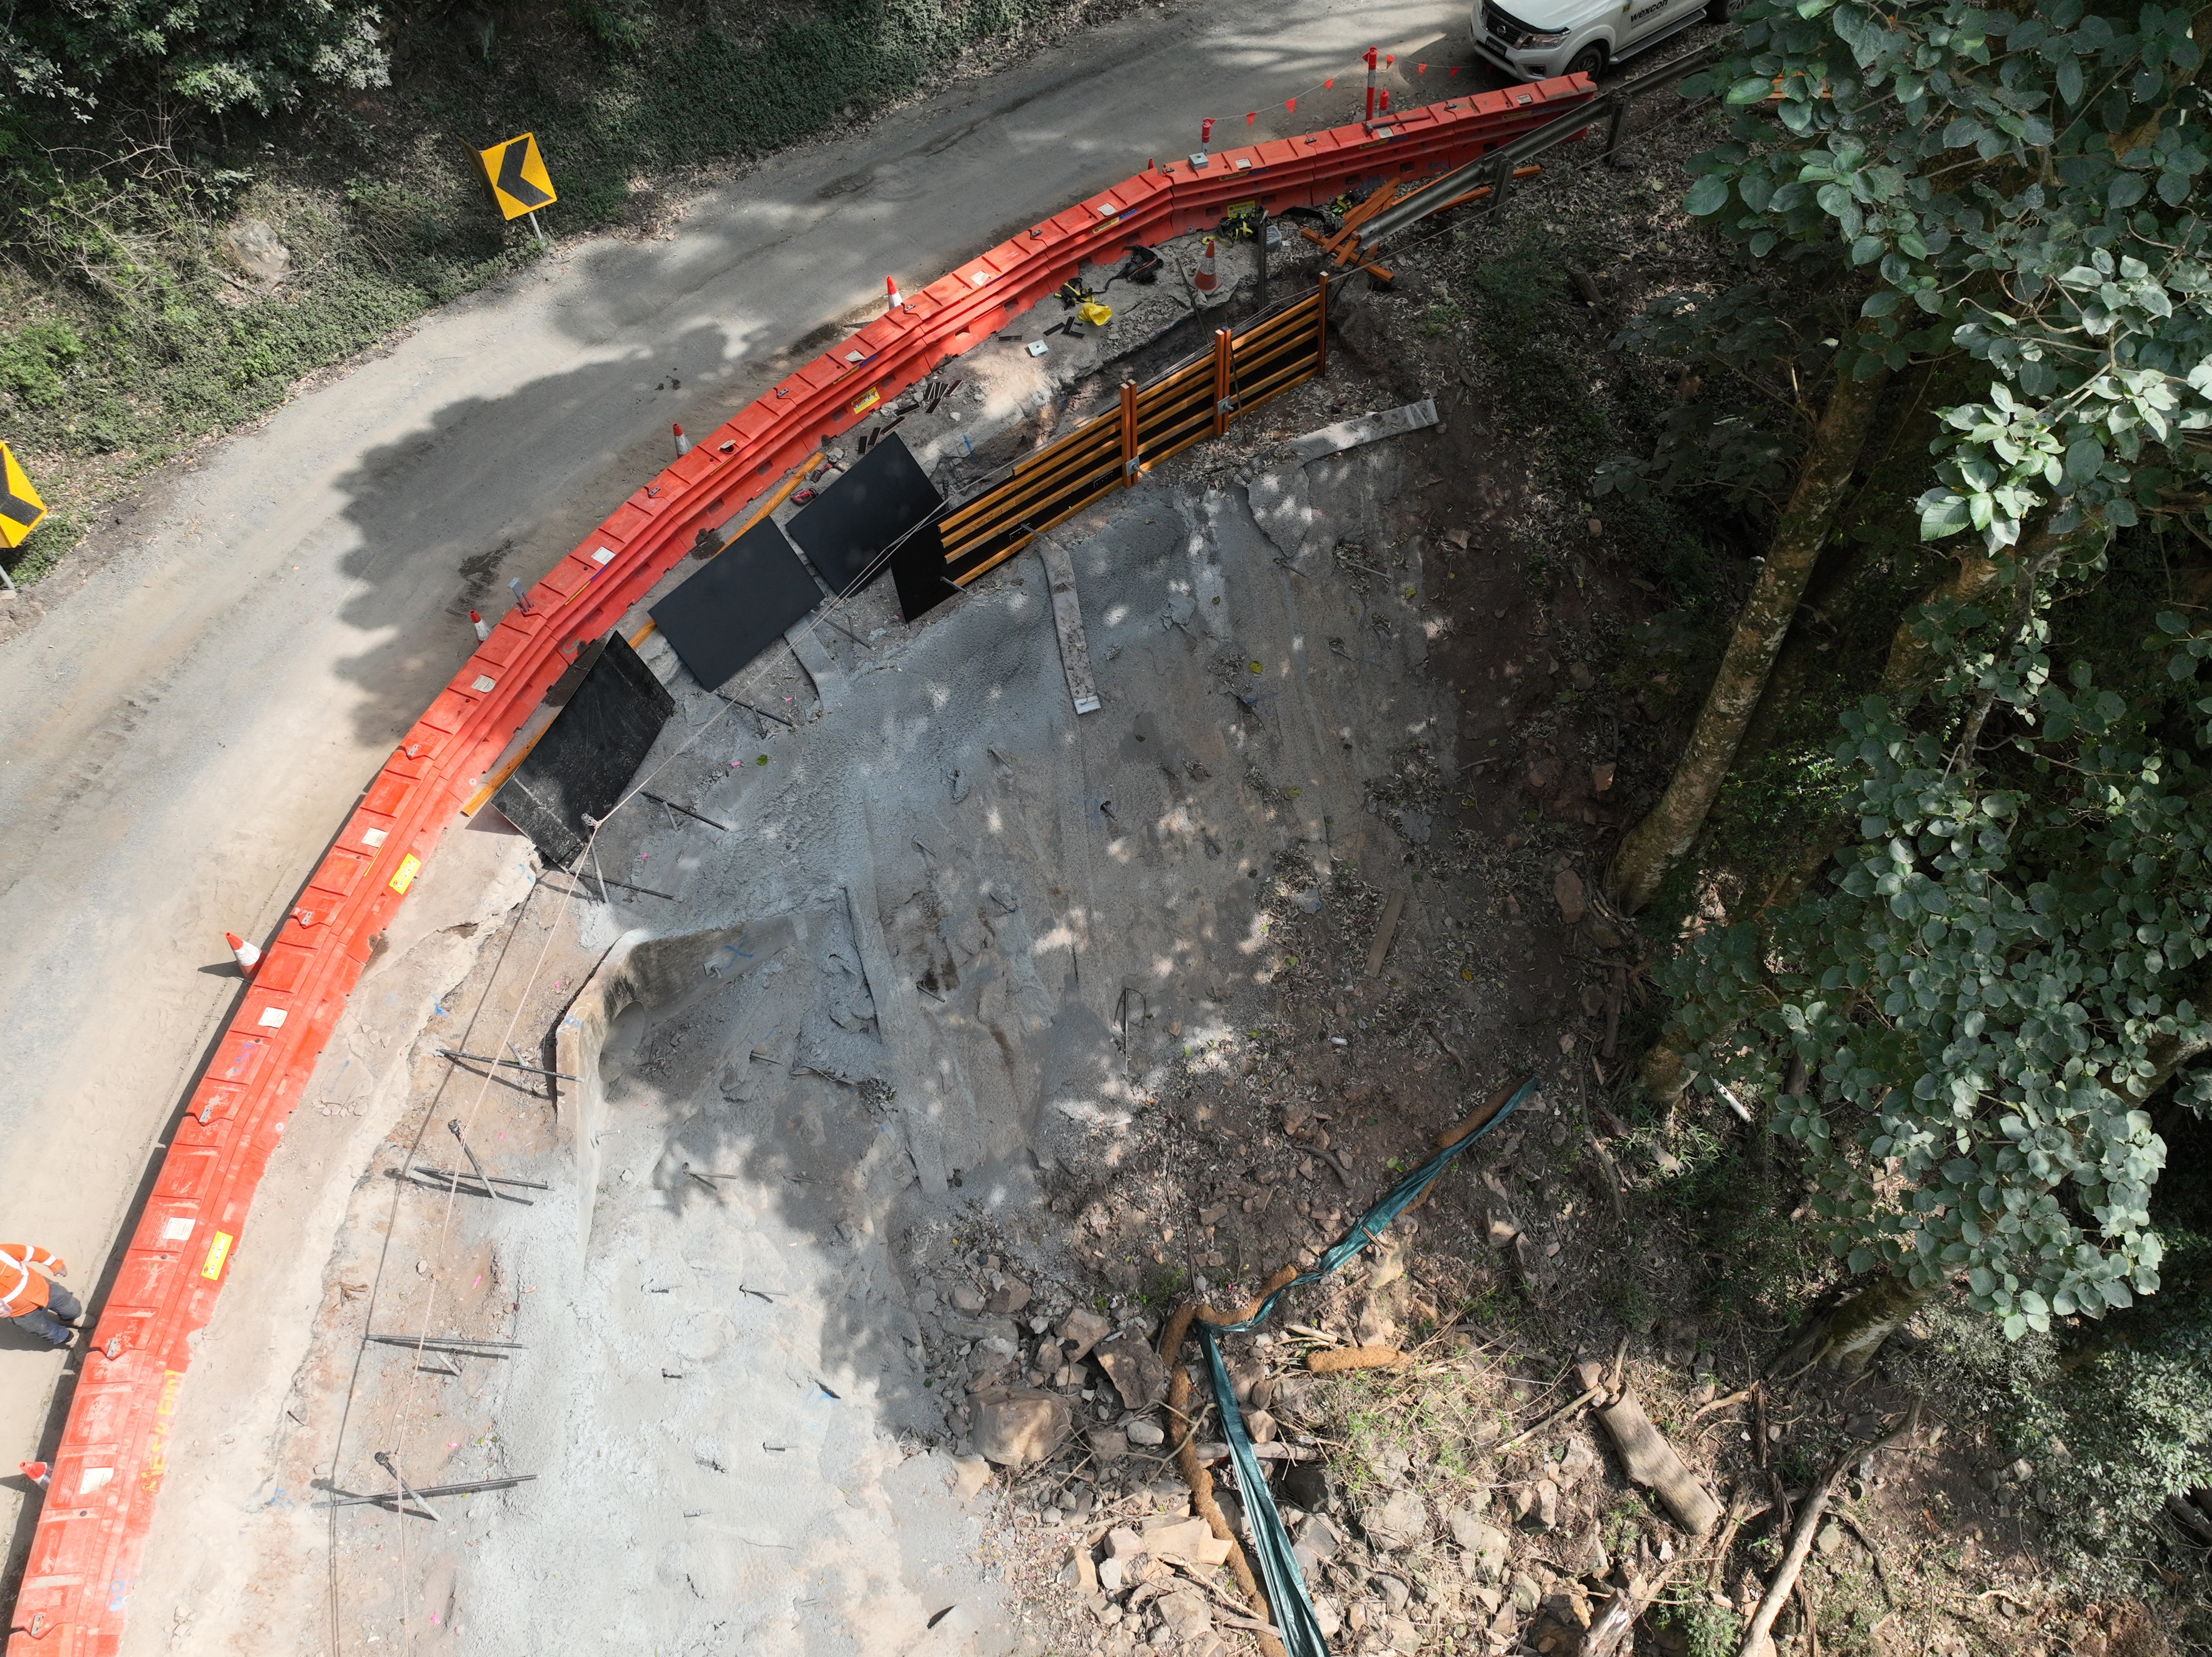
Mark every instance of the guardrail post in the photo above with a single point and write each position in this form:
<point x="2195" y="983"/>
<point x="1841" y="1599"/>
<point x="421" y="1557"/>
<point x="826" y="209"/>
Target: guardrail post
<point x="1128" y="433"/>
<point x="1221" y="381"/>
<point x="1321" y="328"/>
<point x="1617" y="129"/>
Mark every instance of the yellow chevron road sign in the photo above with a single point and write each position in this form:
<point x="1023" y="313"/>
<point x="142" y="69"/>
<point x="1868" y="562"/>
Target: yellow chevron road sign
<point x="519" y="182"/>
<point x="20" y="509"/>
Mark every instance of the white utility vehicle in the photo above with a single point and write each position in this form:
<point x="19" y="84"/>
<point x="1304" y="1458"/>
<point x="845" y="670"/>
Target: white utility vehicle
<point x="1538" y="38"/>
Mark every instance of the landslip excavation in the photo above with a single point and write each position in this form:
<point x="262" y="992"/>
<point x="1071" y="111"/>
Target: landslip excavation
<point x="739" y="1028"/>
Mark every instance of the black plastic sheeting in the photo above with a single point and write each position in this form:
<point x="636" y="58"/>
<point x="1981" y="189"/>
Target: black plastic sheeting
<point x="738" y="606"/>
<point x="1296" y="1621"/>
<point x="588" y="754"/>
<point x="884" y="500"/>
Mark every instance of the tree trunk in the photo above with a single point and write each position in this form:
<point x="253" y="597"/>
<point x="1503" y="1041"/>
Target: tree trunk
<point x="1847" y="1337"/>
<point x="1655" y="844"/>
<point x="1911" y="663"/>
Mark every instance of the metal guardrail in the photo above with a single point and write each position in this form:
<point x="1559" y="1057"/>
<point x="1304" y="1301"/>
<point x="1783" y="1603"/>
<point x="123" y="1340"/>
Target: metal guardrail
<point x="1492" y="173"/>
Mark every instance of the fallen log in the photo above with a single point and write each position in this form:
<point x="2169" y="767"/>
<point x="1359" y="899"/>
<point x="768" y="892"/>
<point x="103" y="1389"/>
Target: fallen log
<point x="1651" y="1461"/>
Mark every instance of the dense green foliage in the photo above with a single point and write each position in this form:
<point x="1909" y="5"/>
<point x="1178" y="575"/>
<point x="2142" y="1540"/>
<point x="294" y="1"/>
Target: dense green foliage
<point x="2006" y="968"/>
<point x="2024" y="186"/>
<point x="2006" y="963"/>
<point x="209" y="55"/>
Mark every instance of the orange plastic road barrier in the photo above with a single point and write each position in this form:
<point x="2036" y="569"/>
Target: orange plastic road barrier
<point x="92" y="1530"/>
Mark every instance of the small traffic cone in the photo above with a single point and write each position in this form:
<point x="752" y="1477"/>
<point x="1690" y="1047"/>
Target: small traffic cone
<point x="892" y="298"/>
<point x="683" y="443"/>
<point x="37" y="1471"/>
<point x="249" y="955"/>
<point x="483" y="627"/>
<point x="1204" y="278"/>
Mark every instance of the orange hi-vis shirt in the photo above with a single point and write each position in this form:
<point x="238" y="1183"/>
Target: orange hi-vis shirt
<point x="22" y="1289"/>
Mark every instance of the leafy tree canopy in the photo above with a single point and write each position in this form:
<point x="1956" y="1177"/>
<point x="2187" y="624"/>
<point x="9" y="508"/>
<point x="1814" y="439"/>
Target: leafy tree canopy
<point x="2005" y="968"/>
<point x="2011" y="957"/>
<point x="211" y="56"/>
<point x="2022" y="186"/>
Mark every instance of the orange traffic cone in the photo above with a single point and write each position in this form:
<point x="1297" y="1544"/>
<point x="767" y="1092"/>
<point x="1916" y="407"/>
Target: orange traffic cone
<point x="892" y="298"/>
<point x="37" y="1471"/>
<point x="483" y="627"/>
<point x="683" y="443"/>
<point x="1205" y="279"/>
<point x="249" y="956"/>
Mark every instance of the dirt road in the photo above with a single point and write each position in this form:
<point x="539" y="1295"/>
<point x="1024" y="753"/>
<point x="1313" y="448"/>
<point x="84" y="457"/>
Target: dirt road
<point x="187" y="722"/>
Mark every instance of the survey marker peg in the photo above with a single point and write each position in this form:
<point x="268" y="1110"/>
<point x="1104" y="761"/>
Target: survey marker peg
<point x="491" y="1188"/>
<point x="406" y="1492"/>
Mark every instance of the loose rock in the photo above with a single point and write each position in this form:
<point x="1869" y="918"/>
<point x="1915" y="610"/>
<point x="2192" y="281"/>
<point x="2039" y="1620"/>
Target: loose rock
<point x="1186" y="1614"/>
<point x="1483" y="1546"/>
<point x="1398" y="1522"/>
<point x="1574" y="904"/>
<point x="1083" y="1329"/>
<point x="1135" y="1370"/>
<point x="1017" y="1426"/>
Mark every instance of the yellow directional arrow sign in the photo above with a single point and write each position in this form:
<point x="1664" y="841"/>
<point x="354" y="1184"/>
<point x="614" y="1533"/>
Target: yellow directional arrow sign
<point x="519" y="182"/>
<point x="20" y="509"/>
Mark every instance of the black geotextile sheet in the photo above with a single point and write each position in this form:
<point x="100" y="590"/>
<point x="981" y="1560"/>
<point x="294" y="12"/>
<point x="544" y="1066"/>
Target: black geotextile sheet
<point x="884" y="498"/>
<point x="738" y="605"/>
<point x="588" y="754"/>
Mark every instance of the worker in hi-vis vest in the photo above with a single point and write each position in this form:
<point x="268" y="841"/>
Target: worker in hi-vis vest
<point x="29" y="1301"/>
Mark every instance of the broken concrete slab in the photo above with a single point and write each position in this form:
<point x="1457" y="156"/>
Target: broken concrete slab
<point x="1299" y="510"/>
<point x="821" y="666"/>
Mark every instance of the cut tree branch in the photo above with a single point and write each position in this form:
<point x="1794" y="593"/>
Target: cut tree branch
<point x="1759" y="1637"/>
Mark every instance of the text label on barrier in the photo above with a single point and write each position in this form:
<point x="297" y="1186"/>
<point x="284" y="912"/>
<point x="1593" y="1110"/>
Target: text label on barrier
<point x="20" y="509"/>
<point x="519" y="182"/>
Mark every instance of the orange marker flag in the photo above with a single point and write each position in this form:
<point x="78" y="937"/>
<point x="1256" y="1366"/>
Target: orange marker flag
<point x="1251" y="116"/>
<point x="1329" y="82"/>
<point x="1421" y="68"/>
<point x="1290" y="104"/>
